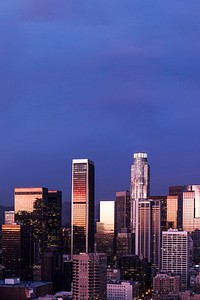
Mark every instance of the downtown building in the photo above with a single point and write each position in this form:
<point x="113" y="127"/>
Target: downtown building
<point x="184" y="212"/>
<point x="123" y="245"/>
<point x="140" y="205"/>
<point x="82" y="224"/>
<point x="104" y="238"/>
<point x="175" y="255"/>
<point x="41" y="209"/>
<point x="89" y="276"/>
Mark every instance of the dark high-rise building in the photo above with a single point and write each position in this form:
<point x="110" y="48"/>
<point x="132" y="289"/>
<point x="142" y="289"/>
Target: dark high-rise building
<point x="82" y="234"/>
<point x="54" y="218"/>
<point x="122" y="211"/>
<point x="17" y="250"/>
<point x="156" y="236"/>
<point x="43" y="210"/>
<point x="31" y="208"/>
<point x="135" y="269"/>
<point x="67" y="273"/>
<point x="66" y="214"/>
<point x="51" y="267"/>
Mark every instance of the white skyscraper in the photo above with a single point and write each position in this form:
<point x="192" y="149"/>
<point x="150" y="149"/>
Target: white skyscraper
<point x="140" y="190"/>
<point x="140" y="178"/>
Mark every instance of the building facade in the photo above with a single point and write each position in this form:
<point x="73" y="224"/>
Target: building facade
<point x="105" y="230"/>
<point x="122" y="290"/>
<point x="82" y="230"/>
<point x="175" y="254"/>
<point x="89" y="276"/>
<point x="139" y="191"/>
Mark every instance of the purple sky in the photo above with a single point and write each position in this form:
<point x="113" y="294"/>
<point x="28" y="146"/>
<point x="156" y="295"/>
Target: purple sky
<point x="99" y="80"/>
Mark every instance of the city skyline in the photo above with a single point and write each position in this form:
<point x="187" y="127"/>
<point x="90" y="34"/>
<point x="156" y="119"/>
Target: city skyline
<point x="106" y="195"/>
<point x="101" y="80"/>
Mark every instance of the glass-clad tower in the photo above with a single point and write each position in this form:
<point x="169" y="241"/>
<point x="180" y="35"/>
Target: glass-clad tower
<point x="140" y="185"/>
<point x="82" y="206"/>
<point x="140" y="179"/>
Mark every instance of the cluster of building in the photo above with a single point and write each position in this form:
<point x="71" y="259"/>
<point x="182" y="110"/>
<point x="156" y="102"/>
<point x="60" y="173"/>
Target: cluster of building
<point x="138" y="246"/>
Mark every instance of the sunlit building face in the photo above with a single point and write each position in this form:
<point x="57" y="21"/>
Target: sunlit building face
<point x="191" y="207"/>
<point x="82" y="206"/>
<point x="172" y="211"/>
<point x="25" y="198"/>
<point x="105" y="230"/>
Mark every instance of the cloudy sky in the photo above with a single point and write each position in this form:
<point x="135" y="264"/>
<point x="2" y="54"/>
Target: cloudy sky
<point x="99" y="80"/>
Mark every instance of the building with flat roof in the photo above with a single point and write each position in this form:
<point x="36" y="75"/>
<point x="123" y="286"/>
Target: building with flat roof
<point x="175" y="254"/>
<point x="82" y="224"/>
<point x="14" y="289"/>
<point x="122" y="290"/>
<point x="89" y="276"/>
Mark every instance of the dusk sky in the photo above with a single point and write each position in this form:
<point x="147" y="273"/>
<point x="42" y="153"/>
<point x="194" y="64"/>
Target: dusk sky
<point x="99" y="80"/>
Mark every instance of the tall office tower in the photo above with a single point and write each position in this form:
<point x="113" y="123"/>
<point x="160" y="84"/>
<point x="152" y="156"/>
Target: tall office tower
<point x="54" y="218"/>
<point x="51" y="267"/>
<point x="66" y="214"/>
<point x="191" y="207"/>
<point x="17" y="250"/>
<point x="9" y="217"/>
<point x="31" y="208"/>
<point x="143" y="233"/>
<point x="122" y="211"/>
<point x="172" y="211"/>
<point x="67" y="273"/>
<point x="139" y="191"/>
<point x="163" y="216"/>
<point x="89" y="276"/>
<point x="104" y="237"/>
<point x="156" y="236"/>
<point x="122" y="240"/>
<point x="195" y="235"/>
<point x="175" y="254"/>
<point x="140" y="177"/>
<point x="176" y="191"/>
<point x="135" y="269"/>
<point x="82" y="206"/>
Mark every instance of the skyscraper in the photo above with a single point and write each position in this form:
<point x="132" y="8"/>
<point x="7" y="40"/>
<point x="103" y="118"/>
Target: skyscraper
<point x="54" y="218"/>
<point x="105" y="230"/>
<point x="82" y="206"/>
<point x="122" y="211"/>
<point x="143" y="232"/>
<point x="17" y="250"/>
<point x="191" y="207"/>
<point x="31" y="209"/>
<point x="175" y="254"/>
<point x="140" y="189"/>
<point x="140" y="177"/>
<point x="42" y="209"/>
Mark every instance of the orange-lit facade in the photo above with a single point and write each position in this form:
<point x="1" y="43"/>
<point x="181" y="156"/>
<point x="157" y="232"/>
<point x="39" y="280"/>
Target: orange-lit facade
<point x="105" y="230"/>
<point x="82" y="206"/>
<point x="172" y="211"/>
<point x="17" y="250"/>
